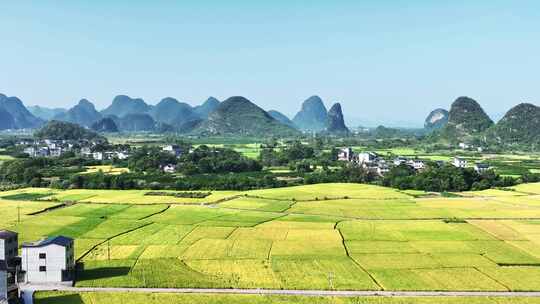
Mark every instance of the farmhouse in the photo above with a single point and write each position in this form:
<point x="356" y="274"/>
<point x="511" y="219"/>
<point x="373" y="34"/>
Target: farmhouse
<point x="48" y="260"/>
<point x="459" y="162"/>
<point x="367" y="157"/>
<point x="400" y="161"/>
<point x="170" y="168"/>
<point x="416" y="164"/>
<point x="346" y="154"/>
<point x="173" y="149"/>
<point x="481" y="167"/>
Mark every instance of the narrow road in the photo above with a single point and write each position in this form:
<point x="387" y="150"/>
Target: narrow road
<point x="30" y="289"/>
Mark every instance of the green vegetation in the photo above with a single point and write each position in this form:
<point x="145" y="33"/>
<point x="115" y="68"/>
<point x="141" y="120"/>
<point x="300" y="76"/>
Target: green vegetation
<point x="66" y="131"/>
<point x="443" y="179"/>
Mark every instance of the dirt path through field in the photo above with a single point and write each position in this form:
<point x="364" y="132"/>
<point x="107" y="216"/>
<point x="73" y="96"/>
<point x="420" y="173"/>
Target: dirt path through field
<point x="30" y="289"/>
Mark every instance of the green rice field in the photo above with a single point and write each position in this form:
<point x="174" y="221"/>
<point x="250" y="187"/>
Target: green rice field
<point x="325" y="236"/>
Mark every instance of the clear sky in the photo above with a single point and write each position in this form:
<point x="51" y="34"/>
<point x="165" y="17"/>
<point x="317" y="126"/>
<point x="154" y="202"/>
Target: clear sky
<point x="385" y="61"/>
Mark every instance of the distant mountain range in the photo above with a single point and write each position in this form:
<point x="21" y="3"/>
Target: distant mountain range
<point x="14" y="115"/>
<point x="312" y="117"/>
<point x="465" y="121"/>
<point x="45" y="113"/>
<point x="237" y="116"/>
<point x="468" y="122"/>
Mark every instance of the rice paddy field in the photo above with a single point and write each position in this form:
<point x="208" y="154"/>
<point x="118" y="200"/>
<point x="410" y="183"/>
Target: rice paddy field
<point x="142" y="298"/>
<point x="106" y="169"/>
<point x="317" y="237"/>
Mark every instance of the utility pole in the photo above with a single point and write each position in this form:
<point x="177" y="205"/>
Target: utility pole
<point x="109" y="250"/>
<point x="331" y="280"/>
<point x="18" y="213"/>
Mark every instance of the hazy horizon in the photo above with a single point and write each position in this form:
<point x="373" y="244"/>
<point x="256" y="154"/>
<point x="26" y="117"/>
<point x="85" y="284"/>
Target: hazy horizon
<point x="390" y="64"/>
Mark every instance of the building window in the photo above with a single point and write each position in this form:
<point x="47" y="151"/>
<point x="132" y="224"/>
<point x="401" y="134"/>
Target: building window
<point x="42" y="268"/>
<point x="42" y="256"/>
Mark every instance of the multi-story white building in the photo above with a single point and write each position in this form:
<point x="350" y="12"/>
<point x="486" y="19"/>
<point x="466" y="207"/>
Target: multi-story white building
<point x="48" y="260"/>
<point x="367" y="158"/>
<point x="346" y="154"/>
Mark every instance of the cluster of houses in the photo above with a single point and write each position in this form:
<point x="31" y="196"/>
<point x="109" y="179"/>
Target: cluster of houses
<point x="469" y="147"/>
<point x="106" y="155"/>
<point x="47" y="147"/>
<point x="373" y="162"/>
<point x="46" y="261"/>
<point x="56" y="148"/>
<point x="175" y="150"/>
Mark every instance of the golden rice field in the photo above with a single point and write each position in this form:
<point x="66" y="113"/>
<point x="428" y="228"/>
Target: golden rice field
<point x="106" y="169"/>
<point x="327" y="236"/>
<point x="51" y="297"/>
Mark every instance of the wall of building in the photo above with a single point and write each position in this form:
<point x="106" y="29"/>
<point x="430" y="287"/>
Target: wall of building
<point x="55" y="262"/>
<point x="8" y="249"/>
<point x="3" y="285"/>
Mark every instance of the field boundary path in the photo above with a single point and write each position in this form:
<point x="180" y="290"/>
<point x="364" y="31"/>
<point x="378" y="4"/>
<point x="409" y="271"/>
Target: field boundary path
<point x="28" y="291"/>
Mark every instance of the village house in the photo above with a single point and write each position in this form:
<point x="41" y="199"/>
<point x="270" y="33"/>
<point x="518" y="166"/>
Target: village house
<point x="416" y="164"/>
<point x="173" y="149"/>
<point x="459" y="162"/>
<point x="48" y="260"/>
<point x="169" y="168"/>
<point x="481" y="167"/>
<point x="382" y="169"/>
<point x="463" y="146"/>
<point x="399" y="161"/>
<point x="346" y="154"/>
<point x="98" y="156"/>
<point x="367" y="157"/>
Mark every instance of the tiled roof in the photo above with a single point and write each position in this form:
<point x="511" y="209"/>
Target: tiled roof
<point x="57" y="240"/>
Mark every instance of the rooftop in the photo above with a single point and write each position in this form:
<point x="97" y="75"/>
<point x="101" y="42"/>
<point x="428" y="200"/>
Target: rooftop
<point x="5" y="234"/>
<point x="56" y="240"/>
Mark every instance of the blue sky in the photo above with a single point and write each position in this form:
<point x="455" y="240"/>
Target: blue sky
<point x="388" y="62"/>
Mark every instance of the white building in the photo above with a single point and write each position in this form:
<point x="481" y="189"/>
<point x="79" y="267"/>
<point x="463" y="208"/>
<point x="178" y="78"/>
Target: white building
<point x="122" y="155"/>
<point x="399" y="161"/>
<point x="49" y="260"/>
<point x="173" y="149"/>
<point x="367" y="157"/>
<point x="382" y="169"/>
<point x="97" y="155"/>
<point x="464" y="146"/>
<point x="170" y="168"/>
<point x="417" y="164"/>
<point x="481" y="168"/>
<point x="346" y="154"/>
<point x="459" y="162"/>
